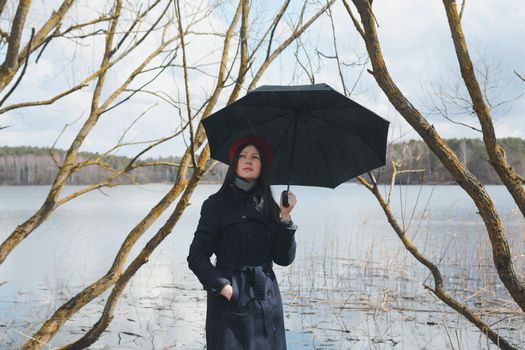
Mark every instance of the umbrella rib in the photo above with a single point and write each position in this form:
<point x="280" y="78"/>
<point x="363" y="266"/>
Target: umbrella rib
<point x="282" y="139"/>
<point x="307" y="100"/>
<point x="343" y="156"/>
<point x="272" y="119"/>
<point x="364" y="144"/>
<point x="339" y="127"/>
<point x="322" y="150"/>
<point x="332" y="124"/>
<point x="284" y="135"/>
<point x="350" y="131"/>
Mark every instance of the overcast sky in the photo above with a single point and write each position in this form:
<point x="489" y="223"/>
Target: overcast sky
<point x="416" y="46"/>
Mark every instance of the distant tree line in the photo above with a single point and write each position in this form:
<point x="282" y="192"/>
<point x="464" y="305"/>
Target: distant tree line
<point x="34" y="166"/>
<point x="415" y="155"/>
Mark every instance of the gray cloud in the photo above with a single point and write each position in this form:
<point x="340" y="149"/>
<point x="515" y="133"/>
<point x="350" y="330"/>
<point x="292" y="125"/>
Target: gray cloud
<point x="416" y="45"/>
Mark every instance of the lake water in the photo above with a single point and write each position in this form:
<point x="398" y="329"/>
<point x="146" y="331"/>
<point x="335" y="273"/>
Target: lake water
<point x="352" y="286"/>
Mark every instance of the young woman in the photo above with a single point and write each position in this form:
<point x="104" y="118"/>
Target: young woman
<point x="247" y="231"/>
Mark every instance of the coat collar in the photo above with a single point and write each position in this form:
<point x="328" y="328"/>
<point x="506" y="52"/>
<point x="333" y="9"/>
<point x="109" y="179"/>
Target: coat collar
<point x="233" y="193"/>
<point x="241" y="203"/>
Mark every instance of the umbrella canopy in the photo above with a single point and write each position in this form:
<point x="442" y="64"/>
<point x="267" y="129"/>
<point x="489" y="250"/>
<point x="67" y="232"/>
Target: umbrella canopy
<point x="319" y="137"/>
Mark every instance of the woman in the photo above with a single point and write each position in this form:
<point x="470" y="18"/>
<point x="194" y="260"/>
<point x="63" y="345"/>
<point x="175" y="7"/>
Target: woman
<point x="245" y="228"/>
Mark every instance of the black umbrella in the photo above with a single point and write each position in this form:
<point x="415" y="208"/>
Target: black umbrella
<point x="319" y="137"/>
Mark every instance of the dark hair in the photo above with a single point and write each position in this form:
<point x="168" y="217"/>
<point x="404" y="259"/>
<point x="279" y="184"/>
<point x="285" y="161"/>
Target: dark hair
<point x="271" y="209"/>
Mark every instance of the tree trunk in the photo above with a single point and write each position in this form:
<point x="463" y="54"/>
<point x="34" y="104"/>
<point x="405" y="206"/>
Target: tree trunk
<point x="472" y="186"/>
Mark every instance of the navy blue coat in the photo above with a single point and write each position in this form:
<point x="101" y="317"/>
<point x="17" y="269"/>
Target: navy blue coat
<point x="246" y="246"/>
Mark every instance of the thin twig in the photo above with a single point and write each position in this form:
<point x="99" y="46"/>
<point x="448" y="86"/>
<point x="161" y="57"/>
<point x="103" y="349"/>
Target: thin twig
<point x="15" y="85"/>
<point x="186" y="81"/>
<point x="41" y="103"/>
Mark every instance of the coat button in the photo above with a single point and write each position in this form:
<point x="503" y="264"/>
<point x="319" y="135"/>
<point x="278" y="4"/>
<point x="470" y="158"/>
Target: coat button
<point x="243" y="217"/>
<point x="249" y="235"/>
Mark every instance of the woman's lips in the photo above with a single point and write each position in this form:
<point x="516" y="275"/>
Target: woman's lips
<point x="250" y="169"/>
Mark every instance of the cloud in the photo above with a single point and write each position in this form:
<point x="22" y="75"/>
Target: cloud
<point x="414" y="36"/>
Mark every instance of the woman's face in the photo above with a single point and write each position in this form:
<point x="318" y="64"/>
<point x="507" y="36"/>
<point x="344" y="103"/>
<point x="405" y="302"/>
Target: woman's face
<point x="249" y="164"/>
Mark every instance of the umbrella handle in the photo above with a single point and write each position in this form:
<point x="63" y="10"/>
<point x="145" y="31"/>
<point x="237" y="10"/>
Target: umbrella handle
<point x="284" y="198"/>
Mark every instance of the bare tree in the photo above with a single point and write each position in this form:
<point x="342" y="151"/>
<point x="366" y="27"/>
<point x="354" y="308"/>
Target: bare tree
<point x="251" y="66"/>
<point x="503" y="262"/>
<point x="114" y="52"/>
<point x="438" y="290"/>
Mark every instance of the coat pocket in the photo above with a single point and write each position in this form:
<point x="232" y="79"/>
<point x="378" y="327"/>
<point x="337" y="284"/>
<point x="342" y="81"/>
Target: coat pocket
<point x="241" y="295"/>
<point x="241" y="311"/>
<point x="234" y="300"/>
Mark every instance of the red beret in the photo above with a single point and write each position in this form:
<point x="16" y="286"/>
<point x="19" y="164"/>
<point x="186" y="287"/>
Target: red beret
<point x="254" y="140"/>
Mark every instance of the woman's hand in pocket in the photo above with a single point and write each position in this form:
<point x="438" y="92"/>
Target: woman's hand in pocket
<point x="227" y="291"/>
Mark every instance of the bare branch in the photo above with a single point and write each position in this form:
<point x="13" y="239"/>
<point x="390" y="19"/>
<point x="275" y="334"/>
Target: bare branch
<point x="14" y="57"/>
<point x="15" y="35"/>
<point x="92" y="335"/>
<point x="271" y="29"/>
<point x="134" y="122"/>
<point x="274" y="26"/>
<point x="41" y="35"/>
<point x="243" y="64"/>
<point x="136" y="43"/>
<point x="52" y="149"/>
<point x="135" y="91"/>
<point x="308" y="70"/>
<point x="462" y="8"/>
<point x="519" y="76"/>
<point x="494" y="151"/>
<point x="57" y="33"/>
<point x="496" y="232"/>
<point x="148" y="164"/>
<point x="4" y="36"/>
<point x="186" y="80"/>
<point x="110" y="181"/>
<point x="438" y="289"/>
<point x="287" y="42"/>
<point x="137" y="20"/>
<point x="462" y="124"/>
<point x="354" y="19"/>
<point x="222" y="68"/>
<point x="15" y="85"/>
<point x="42" y="103"/>
<point x="334" y="40"/>
<point x="2" y="5"/>
<point x="212" y="165"/>
<point x="25" y="229"/>
<point x="160" y="94"/>
<point x="139" y="68"/>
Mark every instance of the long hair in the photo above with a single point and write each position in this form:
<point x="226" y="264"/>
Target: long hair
<point x="271" y="209"/>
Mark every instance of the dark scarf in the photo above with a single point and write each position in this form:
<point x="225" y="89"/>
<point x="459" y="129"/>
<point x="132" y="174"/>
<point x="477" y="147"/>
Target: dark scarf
<point x="248" y="192"/>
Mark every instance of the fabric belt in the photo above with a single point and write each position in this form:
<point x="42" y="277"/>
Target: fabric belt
<point x="259" y="278"/>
